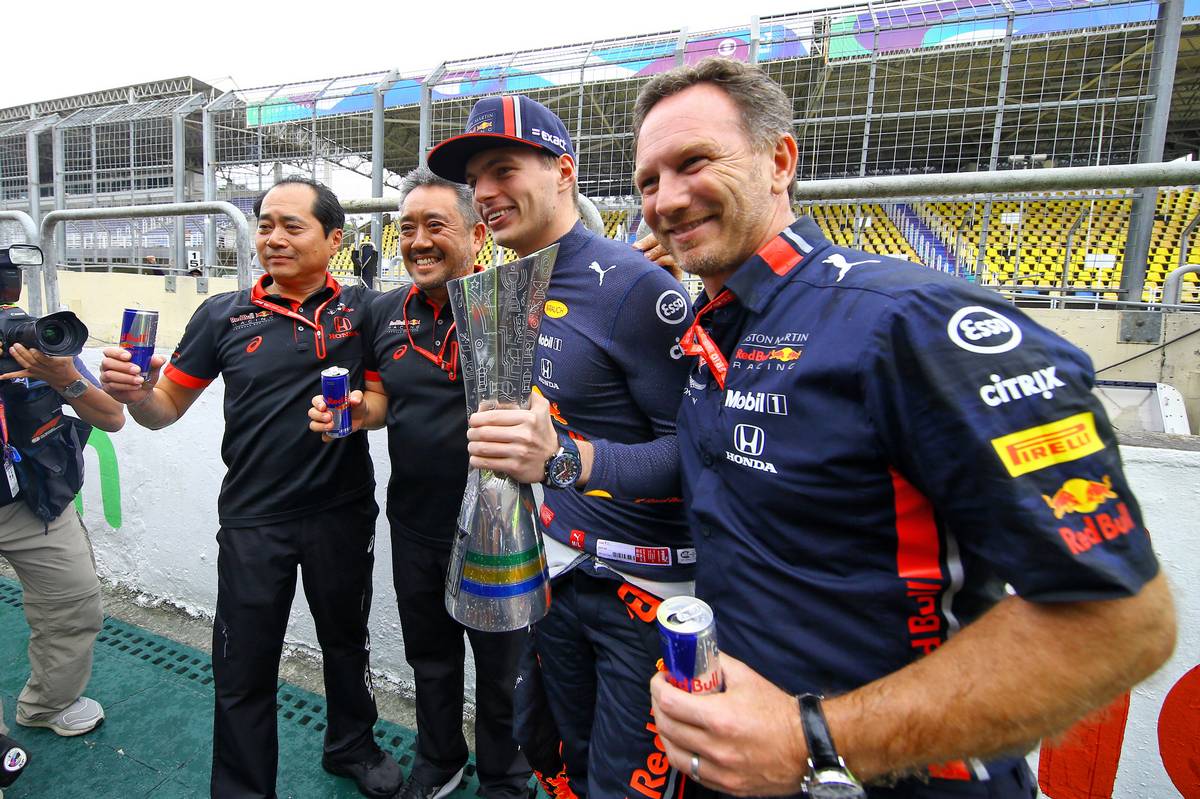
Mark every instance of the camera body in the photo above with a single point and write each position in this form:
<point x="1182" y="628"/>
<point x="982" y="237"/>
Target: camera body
<point x="58" y="333"/>
<point x="13" y="759"/>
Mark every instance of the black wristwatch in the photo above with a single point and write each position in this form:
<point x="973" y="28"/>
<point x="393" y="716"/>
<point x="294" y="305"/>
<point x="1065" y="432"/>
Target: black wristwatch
<point x="828" y="777"/>
<point x="564" y="467"/>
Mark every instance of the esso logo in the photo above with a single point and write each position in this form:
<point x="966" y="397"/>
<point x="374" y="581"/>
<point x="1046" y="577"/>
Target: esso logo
<point x="982" y="330"/>
<point x="671" y="307"/>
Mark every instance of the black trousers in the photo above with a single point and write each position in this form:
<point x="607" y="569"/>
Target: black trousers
<point x="256" y="581"/>
<point x="433" y="646"/>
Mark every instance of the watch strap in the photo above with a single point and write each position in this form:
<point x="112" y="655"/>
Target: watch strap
<point x="76" y="388"/>
<point x="821" y="751"/>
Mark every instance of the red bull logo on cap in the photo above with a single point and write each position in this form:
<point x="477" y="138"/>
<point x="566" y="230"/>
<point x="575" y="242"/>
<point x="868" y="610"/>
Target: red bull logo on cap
<point x="1080" y="496"/>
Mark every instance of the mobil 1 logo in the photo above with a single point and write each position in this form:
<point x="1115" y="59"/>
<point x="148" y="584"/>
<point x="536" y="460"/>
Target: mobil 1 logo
<point x="756" y="402"/>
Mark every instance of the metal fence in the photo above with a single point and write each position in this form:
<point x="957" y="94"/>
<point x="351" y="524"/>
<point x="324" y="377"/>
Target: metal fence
<point x="897" y="87"/>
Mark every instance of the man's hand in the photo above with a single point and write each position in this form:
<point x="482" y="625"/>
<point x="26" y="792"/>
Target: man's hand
<point x="57" y="370"/>
<point x="513" y="441"/>
<point x="122" y="380"/>
<point x="657" y="253"/>
<point x="748" y="738"/>
<point x="321" y="418"/>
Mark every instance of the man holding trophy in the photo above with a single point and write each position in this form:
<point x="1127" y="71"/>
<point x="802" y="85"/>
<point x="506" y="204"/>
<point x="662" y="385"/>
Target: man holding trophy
<point x="608" y="374"/>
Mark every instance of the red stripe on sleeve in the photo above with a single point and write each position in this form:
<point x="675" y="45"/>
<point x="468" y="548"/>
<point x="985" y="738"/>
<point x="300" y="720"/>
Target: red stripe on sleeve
<point x="780" y="256"/>
<point x="372" y="376"/>
<point x="918" y="549"/>
<point x="176" y="375"/>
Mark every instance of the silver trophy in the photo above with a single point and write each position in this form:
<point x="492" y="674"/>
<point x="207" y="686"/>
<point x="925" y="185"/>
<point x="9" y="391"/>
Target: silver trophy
<point x="497" y="579"/>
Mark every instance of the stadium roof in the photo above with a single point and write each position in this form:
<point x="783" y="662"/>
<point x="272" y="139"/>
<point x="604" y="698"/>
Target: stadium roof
<point x="137" y="92"/>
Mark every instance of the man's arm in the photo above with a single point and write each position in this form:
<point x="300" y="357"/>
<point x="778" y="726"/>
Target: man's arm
<point x="1022" y="671"/>
<point x="93" y="406"/>
<point x="152" y="403"/>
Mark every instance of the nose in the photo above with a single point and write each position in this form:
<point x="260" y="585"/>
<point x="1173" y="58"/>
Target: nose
<point x="277" y="239"/>
<point x="421" y="239"/>
<point x="485" y="190"/>
<point x="671" y="195"/>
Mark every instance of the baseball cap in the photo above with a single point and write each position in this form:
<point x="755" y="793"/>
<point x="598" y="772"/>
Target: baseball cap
<point x="500" y="122"/>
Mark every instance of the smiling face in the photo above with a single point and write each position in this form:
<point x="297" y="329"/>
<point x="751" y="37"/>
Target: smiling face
<point x="435" y="241"/>
<point x="709" y="194"/>
<point x="292" y="246"/>
<point x="525" y="198"/>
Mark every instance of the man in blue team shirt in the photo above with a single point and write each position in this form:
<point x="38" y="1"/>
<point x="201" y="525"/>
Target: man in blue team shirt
<point x="870" y="451"/>
<point x="608" y="370"/>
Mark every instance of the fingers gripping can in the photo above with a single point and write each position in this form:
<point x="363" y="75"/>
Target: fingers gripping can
<point x="688" y="631"/>
<point x="138" y="331"/>
<point x="335" y="385"/>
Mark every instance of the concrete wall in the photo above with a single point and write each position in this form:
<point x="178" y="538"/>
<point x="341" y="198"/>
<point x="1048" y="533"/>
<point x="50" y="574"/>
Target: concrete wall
<point x="1098" y="334"/>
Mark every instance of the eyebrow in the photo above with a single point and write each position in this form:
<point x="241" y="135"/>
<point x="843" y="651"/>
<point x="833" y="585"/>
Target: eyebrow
<point x="284" y="219"/>
<point x="438" y="215"/>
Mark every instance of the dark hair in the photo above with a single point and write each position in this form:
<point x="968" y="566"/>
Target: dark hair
<point x="423" y="176"/>
<point x="326" y="207"/>
<point x="765" y="110"/>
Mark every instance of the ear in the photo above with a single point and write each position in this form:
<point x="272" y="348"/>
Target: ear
<point x="478" y="237"/>
<point x="335" y="240"/>
<point x="566" y="172"/>
<point x="784" y="158"/>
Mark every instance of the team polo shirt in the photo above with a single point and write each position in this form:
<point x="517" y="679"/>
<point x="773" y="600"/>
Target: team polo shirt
<point x="412" y="348"/>
<point x="270" y="352"/>
<point x="608" y="360"/>
<point x="891" y="446"/>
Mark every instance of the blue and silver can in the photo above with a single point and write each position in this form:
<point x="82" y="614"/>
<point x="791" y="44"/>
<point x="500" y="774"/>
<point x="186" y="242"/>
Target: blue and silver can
<point x="335" y="385"/>
<point x="688" y="631"/>
<point x="138" y="331"/>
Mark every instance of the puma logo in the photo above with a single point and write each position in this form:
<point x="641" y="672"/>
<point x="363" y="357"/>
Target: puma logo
<point x="839" y="262"/>
<point x="595" y="267"/>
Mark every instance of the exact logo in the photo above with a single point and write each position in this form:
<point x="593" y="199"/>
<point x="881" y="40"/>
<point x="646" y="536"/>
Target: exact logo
<point x="671" y="307"/>
<point x="557" y="141"/>
<point x="1058" y="442"/>
<point x="1002" y="390"/>
<point x="982" y="330"/>
<point x="556" y="309"/>
<point x="756" y="402"/>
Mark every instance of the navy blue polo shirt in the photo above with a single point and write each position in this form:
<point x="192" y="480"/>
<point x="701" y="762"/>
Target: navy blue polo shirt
<point x="270" y="351"/>
<point x="412" y="348"/>
<point x="892" y="446"/>
<point x="608" y="359"/>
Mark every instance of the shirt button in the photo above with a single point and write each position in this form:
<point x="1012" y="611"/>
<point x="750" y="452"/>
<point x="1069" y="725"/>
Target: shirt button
<point x="437" y="343"/>
<point x="707" y="459"/>
<point x="441" y="321"/>
<point x="706" y="531"/>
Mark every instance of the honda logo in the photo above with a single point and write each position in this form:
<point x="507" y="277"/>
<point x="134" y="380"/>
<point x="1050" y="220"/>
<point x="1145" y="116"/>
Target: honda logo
<point x="547" y="368"/>
<point x="749" y="440"/>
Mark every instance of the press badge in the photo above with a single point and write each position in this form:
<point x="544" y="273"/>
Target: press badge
<point x="11" y="456"/>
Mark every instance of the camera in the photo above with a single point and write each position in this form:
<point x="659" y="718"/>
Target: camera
<point x="60" y="333"/>
<point x="13" y="759"/>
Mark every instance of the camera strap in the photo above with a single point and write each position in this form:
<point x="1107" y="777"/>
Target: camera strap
<point x="11" y="455"/>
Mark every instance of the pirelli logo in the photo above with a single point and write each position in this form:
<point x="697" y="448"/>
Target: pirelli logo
<point x="1058" y="442"/>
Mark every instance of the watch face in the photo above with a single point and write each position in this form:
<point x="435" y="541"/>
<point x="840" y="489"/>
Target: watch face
<point x="564" y="470"/>
<point x="835" y="790"/>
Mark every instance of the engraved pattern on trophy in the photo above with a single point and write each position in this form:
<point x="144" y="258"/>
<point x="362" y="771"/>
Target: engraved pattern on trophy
<point x="497" y="578"/>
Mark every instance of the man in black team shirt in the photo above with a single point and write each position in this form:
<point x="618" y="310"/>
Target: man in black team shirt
<point x="287" y="500"/>
<point x="413" y="385"/>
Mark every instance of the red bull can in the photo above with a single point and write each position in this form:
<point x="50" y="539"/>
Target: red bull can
<point x="138" y="331"/>
<point x="688" y="631"/>
<point x="335" y="385"/>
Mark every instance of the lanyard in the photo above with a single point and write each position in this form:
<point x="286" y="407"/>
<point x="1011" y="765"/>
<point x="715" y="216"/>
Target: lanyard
<point x="314" y="323"/>
<point x="697" y="341"/>
<point x="449" y="366"/>
<point x="10" y="453"/>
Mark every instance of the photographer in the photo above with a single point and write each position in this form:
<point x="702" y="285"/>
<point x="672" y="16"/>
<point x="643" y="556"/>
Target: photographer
<point x="41" y="535"/>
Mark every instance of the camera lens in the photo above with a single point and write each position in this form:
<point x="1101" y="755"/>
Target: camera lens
<point x="53" y="334"/>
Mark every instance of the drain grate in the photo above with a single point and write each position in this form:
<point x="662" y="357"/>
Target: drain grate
<point x="297" y="708"/>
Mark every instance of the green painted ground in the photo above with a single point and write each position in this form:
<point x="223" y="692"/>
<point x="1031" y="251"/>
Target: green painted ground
<point x="157" y="738"/>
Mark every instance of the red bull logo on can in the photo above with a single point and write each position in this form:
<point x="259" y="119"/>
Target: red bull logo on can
<point x="1080" y="496"/>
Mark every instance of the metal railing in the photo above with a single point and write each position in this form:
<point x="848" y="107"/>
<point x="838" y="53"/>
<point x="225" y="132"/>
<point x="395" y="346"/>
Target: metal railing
<point x="32" y="276"/>
<point x="1173" y="285"/>
<point x="51" y="220"/>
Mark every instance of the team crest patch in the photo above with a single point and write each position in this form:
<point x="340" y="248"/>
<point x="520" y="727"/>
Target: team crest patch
<point x="484" y="123"/>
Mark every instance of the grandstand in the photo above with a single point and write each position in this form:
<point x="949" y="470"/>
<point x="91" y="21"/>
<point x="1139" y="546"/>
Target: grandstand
<point x="888" y="88"/>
